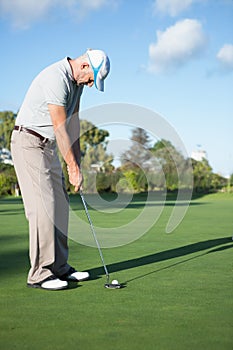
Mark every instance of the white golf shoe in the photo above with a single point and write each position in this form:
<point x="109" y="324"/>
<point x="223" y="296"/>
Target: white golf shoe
<point x="50" y="283"/>
<point x="75" y="276"/>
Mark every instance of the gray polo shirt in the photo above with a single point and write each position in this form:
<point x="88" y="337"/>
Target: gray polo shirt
<point x="54" y="85"/>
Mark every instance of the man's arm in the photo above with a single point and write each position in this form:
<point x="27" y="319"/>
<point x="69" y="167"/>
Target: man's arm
<point x="68" y="142"/>
<point x="73" y="129"/>
<point x="74" y="132"/>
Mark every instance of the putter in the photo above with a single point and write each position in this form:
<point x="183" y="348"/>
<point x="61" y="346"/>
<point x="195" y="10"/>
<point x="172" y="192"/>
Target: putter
<point x="107" y="284"/>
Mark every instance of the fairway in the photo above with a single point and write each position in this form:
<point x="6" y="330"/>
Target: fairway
<point x="178" y="290"/>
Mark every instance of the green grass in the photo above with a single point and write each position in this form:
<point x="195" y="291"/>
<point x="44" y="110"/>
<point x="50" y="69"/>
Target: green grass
<point x="178" y="292"/>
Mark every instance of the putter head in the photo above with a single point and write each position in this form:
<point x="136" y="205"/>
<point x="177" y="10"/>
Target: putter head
<point x="112" y="285"/>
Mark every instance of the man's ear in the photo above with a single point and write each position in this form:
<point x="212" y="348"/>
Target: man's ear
<point x="85" y="65"/>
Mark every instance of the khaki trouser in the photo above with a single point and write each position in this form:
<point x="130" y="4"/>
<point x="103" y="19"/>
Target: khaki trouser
<point x="46" y="204"/>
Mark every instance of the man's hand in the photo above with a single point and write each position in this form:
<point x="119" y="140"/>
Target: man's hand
<point x="75" y="176"/>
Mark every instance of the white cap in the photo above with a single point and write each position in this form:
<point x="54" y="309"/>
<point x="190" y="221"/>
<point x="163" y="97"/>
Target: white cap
<point x="101" y="66"/>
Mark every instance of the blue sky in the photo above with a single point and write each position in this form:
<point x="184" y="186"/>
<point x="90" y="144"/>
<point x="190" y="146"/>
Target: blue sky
<point x="174" y="57"/>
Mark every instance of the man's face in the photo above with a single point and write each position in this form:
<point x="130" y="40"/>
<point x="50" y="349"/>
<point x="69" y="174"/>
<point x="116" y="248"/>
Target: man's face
<point x="86" y="76"/>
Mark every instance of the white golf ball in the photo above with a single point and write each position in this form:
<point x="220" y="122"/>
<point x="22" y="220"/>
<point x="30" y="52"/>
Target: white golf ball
<point x="115" y="282"/>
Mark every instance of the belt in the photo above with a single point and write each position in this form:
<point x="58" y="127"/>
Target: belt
<point x="32" y="132"/>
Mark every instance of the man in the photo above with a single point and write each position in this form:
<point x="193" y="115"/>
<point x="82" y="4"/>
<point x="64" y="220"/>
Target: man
<point x="49" y="116"/>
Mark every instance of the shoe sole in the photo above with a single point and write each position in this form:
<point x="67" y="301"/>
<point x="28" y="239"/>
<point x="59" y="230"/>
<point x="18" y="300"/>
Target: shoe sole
<point x="38" y="286"/>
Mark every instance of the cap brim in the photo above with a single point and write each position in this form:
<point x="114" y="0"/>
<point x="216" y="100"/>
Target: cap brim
<point x="99" y="83"/>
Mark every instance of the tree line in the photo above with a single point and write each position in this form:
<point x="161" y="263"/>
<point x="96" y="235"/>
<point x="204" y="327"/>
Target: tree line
<point x="143" y="167"/>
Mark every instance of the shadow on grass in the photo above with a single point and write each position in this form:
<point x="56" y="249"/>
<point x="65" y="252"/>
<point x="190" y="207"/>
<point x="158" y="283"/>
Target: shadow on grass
<point x="138" y="201"/>
<point x="178" y="263"/>
<point x="11" y="212"/>
<point x="165" y="255"/>
<point x="14" y="261"/>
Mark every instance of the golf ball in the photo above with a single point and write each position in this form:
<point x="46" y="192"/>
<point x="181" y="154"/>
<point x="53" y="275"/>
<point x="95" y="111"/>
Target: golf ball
<point x="115" y="282"/>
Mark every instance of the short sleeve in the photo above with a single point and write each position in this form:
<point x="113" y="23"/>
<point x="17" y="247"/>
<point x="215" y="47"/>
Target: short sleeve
<point x="56" y="89"/>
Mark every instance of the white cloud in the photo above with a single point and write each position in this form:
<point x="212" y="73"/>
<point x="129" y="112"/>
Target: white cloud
<point x="81" y="8"/>
<point x="92" y="4"/>
<point x="176" y="45"/>
<point x="23" y="13"/>
<point x="173" y="7"/>
<point x="225" y="56"/>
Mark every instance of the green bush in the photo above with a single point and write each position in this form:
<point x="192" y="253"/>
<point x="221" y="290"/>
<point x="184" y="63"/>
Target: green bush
<point x="8" y="179"/>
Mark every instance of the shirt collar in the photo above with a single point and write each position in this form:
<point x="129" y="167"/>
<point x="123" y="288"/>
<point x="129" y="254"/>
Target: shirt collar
<point x="68" y="67"/>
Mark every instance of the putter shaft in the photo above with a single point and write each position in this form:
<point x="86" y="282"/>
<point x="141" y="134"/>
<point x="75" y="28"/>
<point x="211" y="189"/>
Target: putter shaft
<point x="94" y="235"/>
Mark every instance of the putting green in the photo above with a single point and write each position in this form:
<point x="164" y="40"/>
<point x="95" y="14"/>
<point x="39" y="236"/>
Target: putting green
<point x="178" y="292"/>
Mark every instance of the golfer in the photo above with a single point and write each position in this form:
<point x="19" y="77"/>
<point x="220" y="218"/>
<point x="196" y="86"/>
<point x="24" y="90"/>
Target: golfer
<point x="49" y="118"/>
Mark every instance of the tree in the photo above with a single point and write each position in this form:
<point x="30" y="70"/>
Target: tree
<point x="7" y="122"/>
<point x="94" y="158"/>
<point x="136" y="161"/>
<point x="138" y="154"/>
<point x="91" y="136"/>
<point x="171" y="160"/>
<point x="202" y="173"/>
<point x="93" y="147"/>
<point x="231" y="180"/>
<point x="218" y="182"/>
<point x="8" y="179"/>
<point x="97" y="159"/>
<point x="140" y="136"/>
